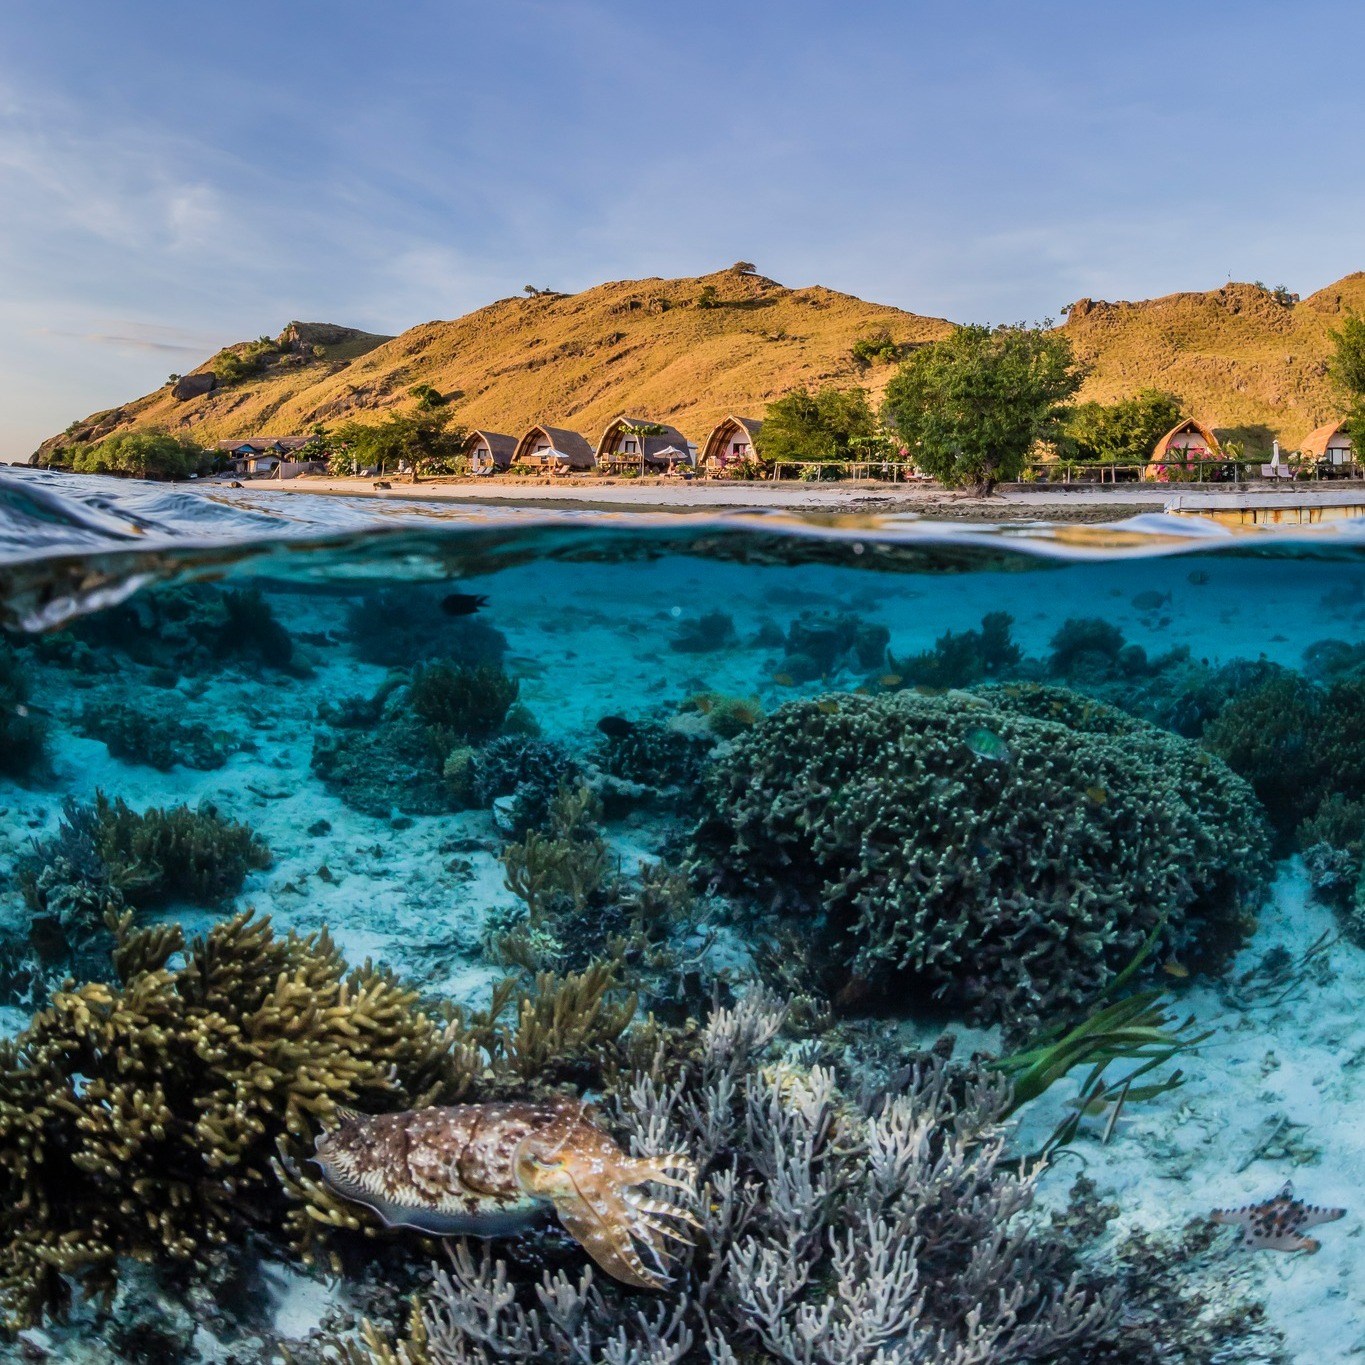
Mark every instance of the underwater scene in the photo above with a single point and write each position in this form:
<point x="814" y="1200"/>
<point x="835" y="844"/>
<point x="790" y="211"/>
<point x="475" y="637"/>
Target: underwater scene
<point x="451" y="937"/>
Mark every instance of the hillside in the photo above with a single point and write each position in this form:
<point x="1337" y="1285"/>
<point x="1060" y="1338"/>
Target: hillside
<point x="575" y="360"/>
<point x="1248" y="365"/>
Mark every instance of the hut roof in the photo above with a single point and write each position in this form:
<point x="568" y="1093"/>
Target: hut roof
<point x="649" y="445"/>
<point x="720" y="433"/>
<point x="260" y="444"/>
<point x="570" y="443"/>
<point x="501" y="446"/>
<point x="1317" y="441"/>
<point x="1184" y="425"/>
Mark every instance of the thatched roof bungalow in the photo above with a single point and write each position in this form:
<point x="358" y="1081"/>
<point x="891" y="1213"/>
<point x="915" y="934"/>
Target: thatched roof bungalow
<point x="1189" y="439"/>
<point x="1330" y="443"/>
<point x="631" y="440"/>
<point x="489" y="450"/>
<point x="554" y="446"/>
<point x="731" y="439"/>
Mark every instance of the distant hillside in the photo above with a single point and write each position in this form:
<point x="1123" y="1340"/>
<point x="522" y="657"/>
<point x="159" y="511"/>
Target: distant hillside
<point x="1248" y="365"/>
<point x="639" y="346"/>
<point x="1245" y="364"/>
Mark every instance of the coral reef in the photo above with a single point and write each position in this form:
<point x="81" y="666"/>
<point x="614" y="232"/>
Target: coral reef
<point x="705" y="634"/>
<point x="407" y="747"/>
<point x="143" y="1119"/>
<point x="190" y="628"/>
<point x="23" y="742"/>
<point x="722" y="716"/>
<point x="819" y="644"/>
<point x="530" y="771"/>
<point x="960" y="658"/>
<point x="157" y="739"/>
<point x="662" y="757"/>
<point x="837" y="1228"/>
<point x="1085" y="645"/>
<point x="1008" y="864"/>
<point x="106" y="856"/>
<point x="461" y="704"/>
<point x="1296" y="743"/>
<point x="402" y="626"/>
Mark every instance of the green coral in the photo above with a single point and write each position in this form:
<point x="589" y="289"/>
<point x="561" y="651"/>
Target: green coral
<point x="461" y="704"/>
<point x="1007" y="863"/>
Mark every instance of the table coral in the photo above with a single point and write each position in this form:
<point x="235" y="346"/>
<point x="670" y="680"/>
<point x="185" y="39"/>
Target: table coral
<point x="1012" y="879"/>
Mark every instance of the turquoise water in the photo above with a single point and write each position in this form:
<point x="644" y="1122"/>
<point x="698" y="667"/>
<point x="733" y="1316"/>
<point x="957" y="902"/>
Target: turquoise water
<point x="582" y="790"/>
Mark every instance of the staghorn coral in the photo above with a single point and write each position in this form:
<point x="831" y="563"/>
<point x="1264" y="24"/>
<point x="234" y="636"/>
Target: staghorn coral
<point x="835" y="1230"/>
<point x="23" y="739"/>
<point x="157" y="740"/>
<point x="141" y="1119"/>
<point x="1008" y="864"/>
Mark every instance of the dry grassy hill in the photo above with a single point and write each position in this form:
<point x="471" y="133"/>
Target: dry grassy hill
<point x="1245" y="364"/>
<point x="1248" y="365"/>
<point x="638" y="346"/>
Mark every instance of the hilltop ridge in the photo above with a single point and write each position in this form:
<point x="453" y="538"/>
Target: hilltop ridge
<point x="687" y="351"/>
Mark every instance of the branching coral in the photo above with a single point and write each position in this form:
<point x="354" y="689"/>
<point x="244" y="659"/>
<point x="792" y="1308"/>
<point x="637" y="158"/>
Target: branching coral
<point x="1009" y="864"/>
<point x="652" y="754"/>
<point x="529" y="770"/>
<point x="833" y="1234"/>
<point x="141" y="1119"/>
<point x="106" y="856"/>
<point x="461" y="704"/>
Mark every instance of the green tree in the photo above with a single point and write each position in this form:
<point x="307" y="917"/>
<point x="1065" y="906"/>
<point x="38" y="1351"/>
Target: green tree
<point x="708" y="297"/>
<point x="1123" y="432"/>
<point x="826" y="425"/>
<point x="971" y="407"/>
<point x="427" y="397"/>
<point x="1347" y="368"/>
<point x="424" y="442"/>
<point x="143" y="455"/>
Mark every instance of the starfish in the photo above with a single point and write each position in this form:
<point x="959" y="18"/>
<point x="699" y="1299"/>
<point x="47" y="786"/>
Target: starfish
<point x="1278" y="1224"/>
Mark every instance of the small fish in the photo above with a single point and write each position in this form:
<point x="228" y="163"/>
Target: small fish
<point x="1097" y="794"/>
<point x="616" y="727"/>
<point x="1151" y="601"/>
<point x="828" y="707"/>
<point x="784" y="680"/>
<point x="1198" y="578"/>
<point x="462" y="603"/>
<point x="889" y="680"/>
<point x="988" y="745"/>
<point x="1176" y="970"/>
<point x="924" y="690"/>
<point x="526" y="666"/>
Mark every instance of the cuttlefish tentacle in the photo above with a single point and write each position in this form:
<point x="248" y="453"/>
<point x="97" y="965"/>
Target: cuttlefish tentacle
<point x="489" y="1169"/>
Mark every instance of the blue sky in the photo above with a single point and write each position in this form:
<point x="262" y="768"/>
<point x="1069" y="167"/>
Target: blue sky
<point x="175" y="177"/>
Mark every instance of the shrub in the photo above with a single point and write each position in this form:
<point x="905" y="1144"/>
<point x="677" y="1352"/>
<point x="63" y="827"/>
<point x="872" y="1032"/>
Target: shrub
<point x="143" y="455"/>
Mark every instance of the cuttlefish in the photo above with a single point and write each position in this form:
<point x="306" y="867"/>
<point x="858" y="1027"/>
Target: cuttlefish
<point x="1278" y="1224"/>
<point x="488" y="1170"/>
